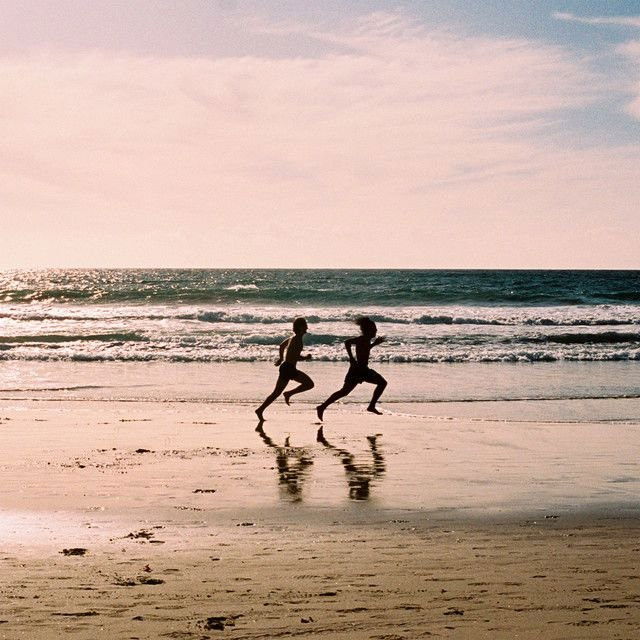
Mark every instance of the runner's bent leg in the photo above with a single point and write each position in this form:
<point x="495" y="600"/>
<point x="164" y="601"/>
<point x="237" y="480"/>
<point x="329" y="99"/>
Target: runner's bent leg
<point x="374" y="377"/>
<point x="306" y="383"/>
<point x="279" y="388"/>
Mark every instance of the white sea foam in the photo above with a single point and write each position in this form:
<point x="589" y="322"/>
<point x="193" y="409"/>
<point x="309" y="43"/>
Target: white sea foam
<point x="118" y="332"/>
<point x="242" y="287"/>
<point x="604" y="315"/>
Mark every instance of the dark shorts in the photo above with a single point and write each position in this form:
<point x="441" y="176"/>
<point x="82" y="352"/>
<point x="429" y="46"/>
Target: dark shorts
<point x="288" y="371"/>
<point x="358" y="375"/>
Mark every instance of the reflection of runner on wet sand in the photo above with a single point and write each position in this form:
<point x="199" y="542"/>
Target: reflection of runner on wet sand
<point x="293" y="466"/>
<point x="359" y="474"/>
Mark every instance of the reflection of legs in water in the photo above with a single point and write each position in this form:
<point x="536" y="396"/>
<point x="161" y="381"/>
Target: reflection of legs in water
<point x="341" y="393"/>
<point x="291" y="476"/>
<point x="379" y="467"/>
<point x="359" y="475"/>
<point x="306" y="383"/>
<point x="321" y="439"/>
<point x="268" y="441"/>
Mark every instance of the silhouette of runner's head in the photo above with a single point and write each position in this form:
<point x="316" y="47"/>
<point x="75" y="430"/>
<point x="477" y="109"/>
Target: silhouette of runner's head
<point x="300" y="326"/>
<point x="367" y="326"/>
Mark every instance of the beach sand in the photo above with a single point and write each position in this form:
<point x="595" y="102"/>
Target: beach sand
<point x="179" y="520"/>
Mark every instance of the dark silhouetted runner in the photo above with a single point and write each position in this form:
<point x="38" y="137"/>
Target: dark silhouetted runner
<point x="290" y="354"/>
<point x="359" y="370"/>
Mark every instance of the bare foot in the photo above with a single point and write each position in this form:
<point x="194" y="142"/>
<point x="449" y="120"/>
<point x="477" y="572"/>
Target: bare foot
<point x="286" y="395"/>
<point x="320" y="412"/>
<point x="260" y="416"/>
<point x="374" y="410"/>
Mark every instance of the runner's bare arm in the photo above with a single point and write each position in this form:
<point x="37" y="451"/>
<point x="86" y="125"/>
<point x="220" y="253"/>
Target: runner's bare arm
<point x="348" y="345"/>
<point x="282" y="347"/>
<point x="299" y="345"/>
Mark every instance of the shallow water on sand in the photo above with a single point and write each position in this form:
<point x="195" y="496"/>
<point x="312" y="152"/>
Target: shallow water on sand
<point x="561" y="391"/>
<point x="104" y="448"/>
<point x="109" y="467"/>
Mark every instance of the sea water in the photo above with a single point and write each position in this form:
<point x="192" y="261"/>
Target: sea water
<point x="452" y="336"/>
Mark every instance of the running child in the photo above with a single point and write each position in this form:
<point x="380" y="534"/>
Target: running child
<point x="359" y="370"/>
<point x="290" y="353"/>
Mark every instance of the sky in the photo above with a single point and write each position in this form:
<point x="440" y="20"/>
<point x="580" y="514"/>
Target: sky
<point x="281" y="133"/>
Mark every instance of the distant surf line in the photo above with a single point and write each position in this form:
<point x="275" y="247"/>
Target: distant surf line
<point x="235" y="401"/>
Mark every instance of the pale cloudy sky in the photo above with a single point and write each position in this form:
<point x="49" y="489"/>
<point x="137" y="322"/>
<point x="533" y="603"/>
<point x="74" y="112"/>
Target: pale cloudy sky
<point x="214" y="133"/>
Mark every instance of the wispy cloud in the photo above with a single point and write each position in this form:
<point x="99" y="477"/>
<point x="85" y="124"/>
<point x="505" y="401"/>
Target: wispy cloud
<point x="618" y="21"/>
<point x="405" y="146"/>
<point x="631" y="51"/>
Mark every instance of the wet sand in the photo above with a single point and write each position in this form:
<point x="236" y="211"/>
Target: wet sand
<point x="179" y="520"/>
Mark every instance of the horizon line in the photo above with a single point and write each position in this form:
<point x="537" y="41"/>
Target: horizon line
<point x="293" y="268"/>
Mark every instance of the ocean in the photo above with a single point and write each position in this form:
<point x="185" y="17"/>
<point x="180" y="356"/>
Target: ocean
<point x="83" y="330"/>
<point x="242" y="314"/>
